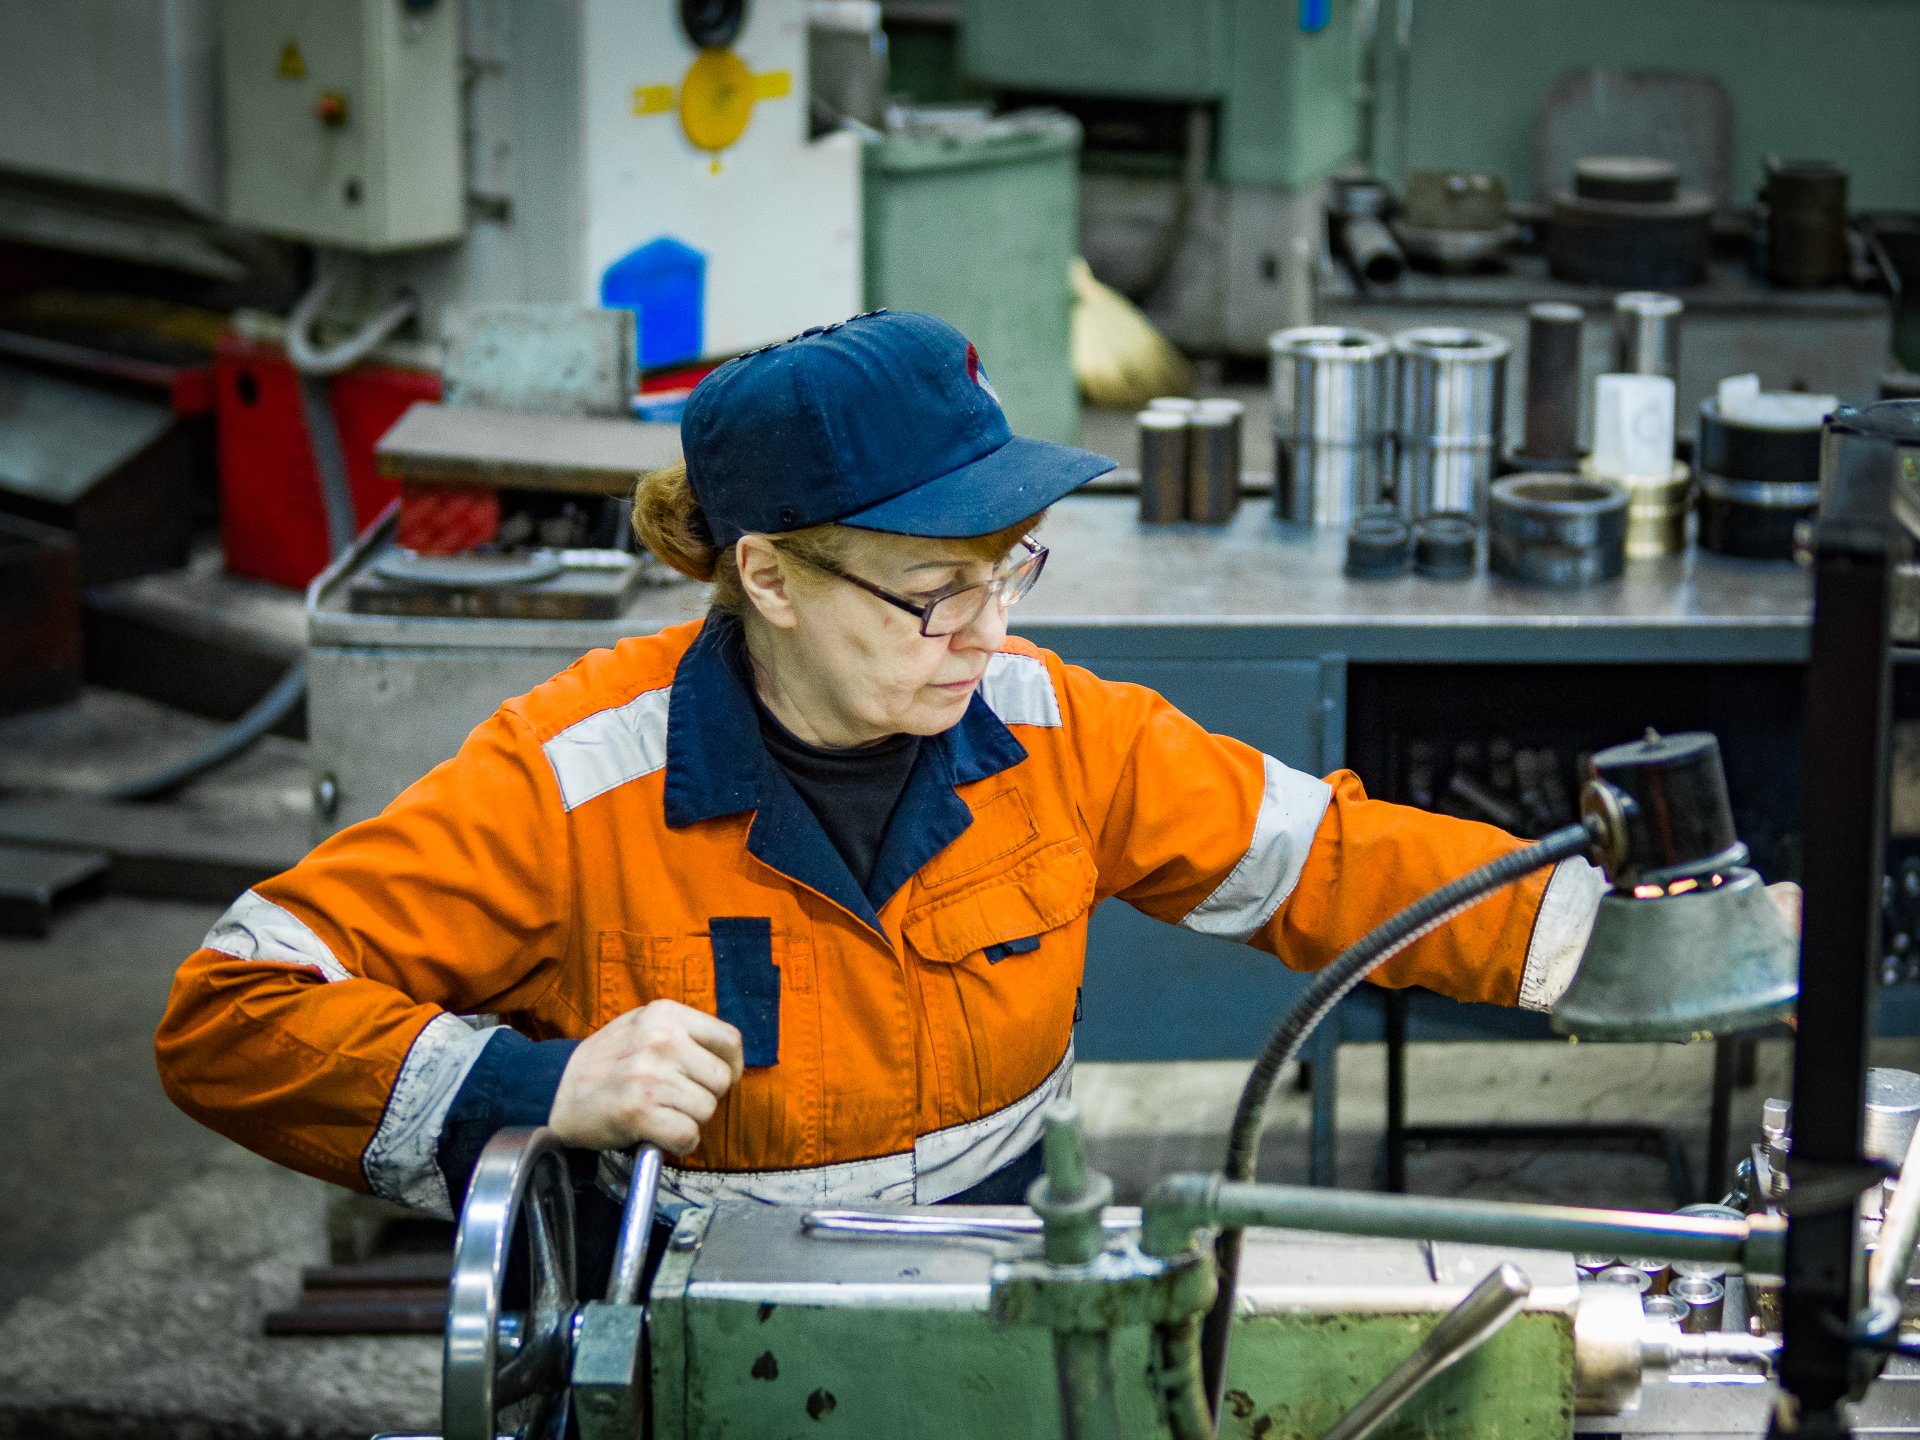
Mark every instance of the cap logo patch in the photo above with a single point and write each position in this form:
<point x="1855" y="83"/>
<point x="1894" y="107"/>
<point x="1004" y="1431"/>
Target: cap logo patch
<point x="978" y="375"/>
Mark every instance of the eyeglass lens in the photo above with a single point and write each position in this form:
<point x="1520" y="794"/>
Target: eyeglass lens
<point x="953" y="613"/>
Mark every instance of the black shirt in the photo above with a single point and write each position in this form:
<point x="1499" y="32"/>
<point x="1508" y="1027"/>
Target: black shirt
<point x="851" y="792"/>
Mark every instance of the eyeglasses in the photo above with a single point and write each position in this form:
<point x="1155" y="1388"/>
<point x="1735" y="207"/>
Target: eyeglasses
<point x="954" y="609"/>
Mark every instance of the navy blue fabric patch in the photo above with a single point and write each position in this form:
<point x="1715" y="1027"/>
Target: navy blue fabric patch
<point x="746" y="983"/>
<point x="512" y="1082"/>
<point x="1006" y="1186"/>
<point x="1024" y="946"/>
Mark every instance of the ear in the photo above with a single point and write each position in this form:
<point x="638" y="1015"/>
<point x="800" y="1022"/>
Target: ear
<point x="763" y="576"/>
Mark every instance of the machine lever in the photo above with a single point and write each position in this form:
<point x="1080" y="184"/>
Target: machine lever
<point x="902" y="1225"/>
<point x="1461" y="1331"/>
<point x="636" y="1225"/>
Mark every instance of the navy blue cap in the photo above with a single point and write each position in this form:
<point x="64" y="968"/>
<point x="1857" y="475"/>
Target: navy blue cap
<point x="885" y="422"/>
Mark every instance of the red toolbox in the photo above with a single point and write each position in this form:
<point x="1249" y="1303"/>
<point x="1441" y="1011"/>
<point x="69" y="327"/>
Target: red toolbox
<point x="273" y="520"/>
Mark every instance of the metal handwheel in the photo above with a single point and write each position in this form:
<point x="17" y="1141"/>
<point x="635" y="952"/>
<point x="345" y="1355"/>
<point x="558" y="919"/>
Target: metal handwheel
<point x="506" y="1370"/>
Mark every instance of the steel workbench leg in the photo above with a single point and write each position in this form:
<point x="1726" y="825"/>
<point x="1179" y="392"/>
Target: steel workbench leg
<point x="1323" y="1051"/>
<point x="1726" y="1074"/>
<point x="1395" y="1143"/>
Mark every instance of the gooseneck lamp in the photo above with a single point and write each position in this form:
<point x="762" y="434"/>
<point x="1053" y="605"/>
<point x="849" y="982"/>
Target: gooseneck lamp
<point x="1687" y="943"/>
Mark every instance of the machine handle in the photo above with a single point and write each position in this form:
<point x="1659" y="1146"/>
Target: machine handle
<point x="636" y="1225"/>
<point x="1461" y="1331"/>
<point x="913" y="1225"/>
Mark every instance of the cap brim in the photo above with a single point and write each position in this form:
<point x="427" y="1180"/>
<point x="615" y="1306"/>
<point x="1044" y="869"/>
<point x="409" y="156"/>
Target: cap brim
<point x="1021" y="478"/>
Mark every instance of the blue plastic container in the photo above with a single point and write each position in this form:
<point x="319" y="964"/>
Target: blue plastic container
<point x="664" y="283"/>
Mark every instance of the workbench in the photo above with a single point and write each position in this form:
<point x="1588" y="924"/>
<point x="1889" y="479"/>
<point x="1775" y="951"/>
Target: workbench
<point x="1253" y="630"/>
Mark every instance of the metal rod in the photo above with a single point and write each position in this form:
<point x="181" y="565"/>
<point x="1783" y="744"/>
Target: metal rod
<point x="1089" y="1390"/>
<point x="1553" y="383"/>
<point x="636" y="1225"/>
<point x="1899" y="1231"/>
<point x="1182" y="1204"/>
<point x="1461" y="1331"/>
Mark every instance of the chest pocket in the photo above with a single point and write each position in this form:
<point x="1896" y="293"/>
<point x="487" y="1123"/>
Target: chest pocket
<point x="999" y="964"/>
<point x="1006" y="911"/>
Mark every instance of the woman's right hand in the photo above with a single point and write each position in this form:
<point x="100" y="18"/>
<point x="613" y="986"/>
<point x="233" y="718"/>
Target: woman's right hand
<point x="655" y="1074"/>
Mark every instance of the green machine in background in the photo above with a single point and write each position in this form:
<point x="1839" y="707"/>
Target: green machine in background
<point x="1210" y="127"/>
<point x="1282" y="76"/>
<point x="974" y="219"/>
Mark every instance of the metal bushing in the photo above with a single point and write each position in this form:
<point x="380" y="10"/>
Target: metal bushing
<point x="1318" y="482"/>
<point x="1740" y="450"/>
<point x="1379" y="545"/>
<point x="1806" y="203"/>
<point x="1332" y="399"/>
<point x="1445" y="546"/>
<point x="1754" y="519"/>
<point x="1639" y="179"/>
<point x="1657" y="509"/>
<point x="1452" y="387"/>
<point x="1646" y="333"/>
<point x="1557" y="530"/>
<point x="1331" y="383"/>
<point x="1628" y="223"/>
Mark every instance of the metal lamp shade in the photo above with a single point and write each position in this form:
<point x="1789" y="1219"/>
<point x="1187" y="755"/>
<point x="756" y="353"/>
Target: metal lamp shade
<point x="1684" y="967"/>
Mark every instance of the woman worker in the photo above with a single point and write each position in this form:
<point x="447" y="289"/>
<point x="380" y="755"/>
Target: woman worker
<point x="800" y="891"/>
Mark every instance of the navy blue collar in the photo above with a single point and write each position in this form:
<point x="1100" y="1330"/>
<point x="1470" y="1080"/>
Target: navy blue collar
<point x="718" y="765"/>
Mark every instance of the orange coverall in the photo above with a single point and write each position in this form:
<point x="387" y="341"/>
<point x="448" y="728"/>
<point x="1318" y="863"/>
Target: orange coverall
<point x="619" y="835"/>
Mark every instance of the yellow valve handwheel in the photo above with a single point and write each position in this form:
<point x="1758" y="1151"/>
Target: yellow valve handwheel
<point x="716" y="100"/>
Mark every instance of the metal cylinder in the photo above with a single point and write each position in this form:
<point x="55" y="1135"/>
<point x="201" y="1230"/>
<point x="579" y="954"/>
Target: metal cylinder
<point x="1213" y="461"/>
<point x="1319" y="483"/>
<point x="1665" y="1307"/>
<point x="1646" y="333"/>
<point x="1451" y="388"/>
<point x="1331" y="384"/>
<point x="1893" y="1112"/>
<point x="1163" y="466"/>
<point x="1657" y="1272"/>
<point x="1679" y="823"/>
<point x="1379" y="544"/>
<point x="1705" y="1301"/>
<point x="1553" y="386"/>
<point x="1559" y="530"/>
<point x="1371" y="249"/>
<point x="1705" y="1269"/>
<point x="1625" y="1276"/>
<point x="1806" y="222"/>
<point x="1657" y="510"/>
<point x="1332" y="426"/>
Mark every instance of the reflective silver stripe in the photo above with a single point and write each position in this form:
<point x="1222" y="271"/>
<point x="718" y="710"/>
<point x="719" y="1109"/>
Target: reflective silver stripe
<point x="400" y="1162"/>
<point x="1018" y="689"/>
<point x="594" y="755"/>
<point x="254" y="928"/>
<point x="961" y="1156"/>
<point x="1292" y="805"/>
<point x="1560" y="932"/>
<point x="939" y="1165"/>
